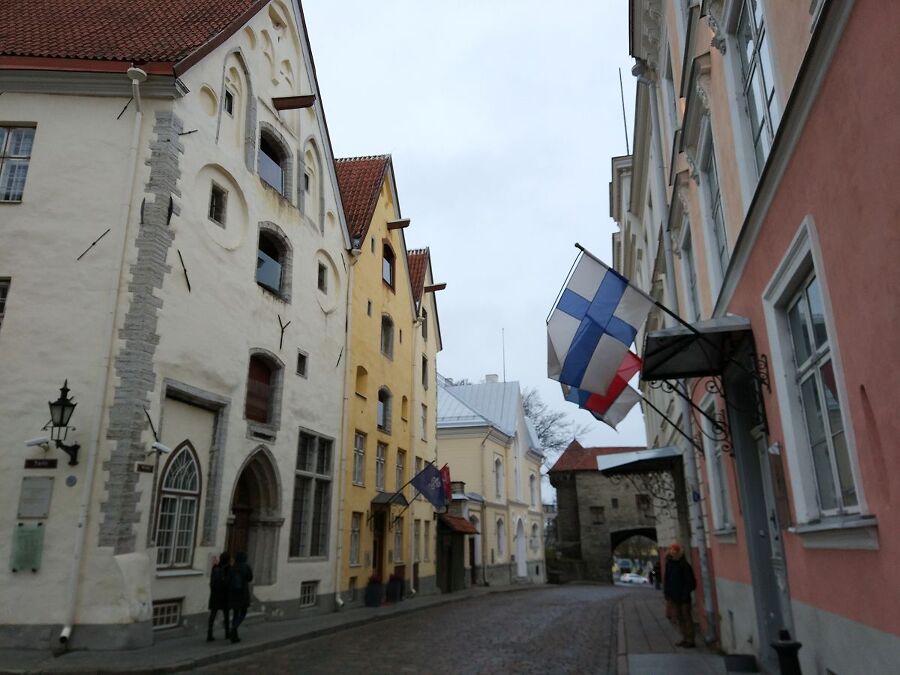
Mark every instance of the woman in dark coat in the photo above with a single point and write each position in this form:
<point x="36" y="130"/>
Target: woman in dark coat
<point x="239" y="577"/>
<point x="218" y="594"/>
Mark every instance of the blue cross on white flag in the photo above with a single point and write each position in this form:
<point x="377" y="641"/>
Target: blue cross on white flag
<point x="592" y="326"/>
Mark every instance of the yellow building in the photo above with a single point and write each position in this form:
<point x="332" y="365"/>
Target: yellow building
<point x="493" y="450"/>
<point x="389" y="418"/>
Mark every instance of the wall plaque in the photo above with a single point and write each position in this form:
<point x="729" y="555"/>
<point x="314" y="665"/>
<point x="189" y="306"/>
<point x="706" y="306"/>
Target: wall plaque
<point x="141" y="467"/>
<point x="27" y="548"/>
<point x="34" y="500"/>
<point x="40" y="463"/>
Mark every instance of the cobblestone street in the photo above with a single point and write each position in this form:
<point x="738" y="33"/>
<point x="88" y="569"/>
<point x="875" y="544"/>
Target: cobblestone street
<point x="563" y="629"/>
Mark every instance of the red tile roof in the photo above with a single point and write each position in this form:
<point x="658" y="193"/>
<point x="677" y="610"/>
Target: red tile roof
<point x="457" y="524"/>
<point x="418" y="263"/>
<point x="116" y="30"/>
<point x="360" y="180"/>
<point x="578" y="458"/>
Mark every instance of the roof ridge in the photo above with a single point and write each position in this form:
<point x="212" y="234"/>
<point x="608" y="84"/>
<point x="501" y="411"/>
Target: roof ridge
<point x="361" y="158"/>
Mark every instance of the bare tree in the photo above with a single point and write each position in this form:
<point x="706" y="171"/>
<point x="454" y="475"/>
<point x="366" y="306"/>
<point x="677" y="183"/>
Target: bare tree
<point x="554" y="429"/>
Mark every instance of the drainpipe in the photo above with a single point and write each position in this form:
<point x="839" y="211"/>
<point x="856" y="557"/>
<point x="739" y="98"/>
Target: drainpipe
<point x="136" y="75"/>
<point x="698" y="528"/>
<point x="348" y="374"/>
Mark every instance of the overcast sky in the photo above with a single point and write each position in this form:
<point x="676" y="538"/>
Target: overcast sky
<point x="502" y="118"/>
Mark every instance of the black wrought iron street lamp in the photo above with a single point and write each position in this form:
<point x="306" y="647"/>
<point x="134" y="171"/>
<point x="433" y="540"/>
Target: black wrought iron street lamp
<point x="60" y="413"/>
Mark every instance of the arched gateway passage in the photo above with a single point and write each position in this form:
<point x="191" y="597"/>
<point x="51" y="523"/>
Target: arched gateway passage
<point x="255" y="519"/>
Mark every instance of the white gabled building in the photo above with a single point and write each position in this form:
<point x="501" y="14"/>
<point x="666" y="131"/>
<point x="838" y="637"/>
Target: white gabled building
<point x="172" y="244"/>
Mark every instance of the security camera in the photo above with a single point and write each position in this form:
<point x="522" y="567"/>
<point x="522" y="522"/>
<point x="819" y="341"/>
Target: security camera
<point x="160" y="448"/>
<point x="42" y="441"/>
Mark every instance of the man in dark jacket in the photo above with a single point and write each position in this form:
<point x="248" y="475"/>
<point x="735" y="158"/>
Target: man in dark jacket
<point x="218" y="594"/>
<point x="239" y="578"/>
<point x="678" y="584"/>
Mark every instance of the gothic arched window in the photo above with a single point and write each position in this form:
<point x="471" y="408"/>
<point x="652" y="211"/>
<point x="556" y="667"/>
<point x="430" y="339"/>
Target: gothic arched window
<point x="177" y="509"/>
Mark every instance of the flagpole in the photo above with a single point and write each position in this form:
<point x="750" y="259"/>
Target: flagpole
<point x="674" y="426"/>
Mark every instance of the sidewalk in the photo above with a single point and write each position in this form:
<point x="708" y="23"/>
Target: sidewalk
<point x="182" y="653"/>
<point x="646" y="641"/>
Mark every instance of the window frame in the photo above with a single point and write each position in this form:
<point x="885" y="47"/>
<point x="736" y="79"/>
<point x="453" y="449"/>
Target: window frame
<point x="384" y="410"/>
<point x="381" y="451"/>
<point x="7" y="131"/>
<point x="278" y="241"/>
<point x="303" y="364"/>
<point x="180" y="496"/>
<point x="273" y="139"/>
<point x="501" y="538"/>
<point x="803" y="257"/>
<point x="314" y="595"/>
<point x="387" y="336"/>
<point x="689" y="268"/>
<point x="400" y="470"/>
<point x="213" y="190"/>
<point x="716" y="266"/>
<point x="424" y="421"/>
<point x="322" y="278"/>
<point x="499" y="482"/>
<point x="5" y="285"/>
<point x="398" y="540"/>
<point x="426" y="542"/>
<point x="355" y="538"/>
<point x="388" y="265"/>
<point x="716" y="471"/>
<point x="276" y="383"/>
<point x="359" y="458"/>
<point x="302" y="532"/>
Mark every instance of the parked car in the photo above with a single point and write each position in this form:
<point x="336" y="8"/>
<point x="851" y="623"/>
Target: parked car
<point x="633" y="579"/>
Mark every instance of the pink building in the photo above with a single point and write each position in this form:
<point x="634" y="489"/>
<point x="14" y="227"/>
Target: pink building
<point x="767" y="140"/>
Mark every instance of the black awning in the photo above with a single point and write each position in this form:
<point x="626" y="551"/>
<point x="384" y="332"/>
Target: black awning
<point x="679" y="352"/>
<point x="388" y="498"/>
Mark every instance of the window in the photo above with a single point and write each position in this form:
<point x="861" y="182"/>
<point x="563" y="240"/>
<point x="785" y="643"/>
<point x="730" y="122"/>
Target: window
<point x="417" y="537"/>
<point x="380" y="460"/>
<point x="716" y="216"/>
<point x="398" y="540"/>
<point x="424" y="372"/>
<point x="418" y="471"/>
<point x="427" y="553"/>
<point x="218" y="198"/>
<point x="424" y="422"/>
<point x="384" y="410"/>
<point x="4" y="293"/>
<point x="715" y="469"/>
<point x="362" y="381"/>
<point x="262" y="383"/>
<point x="272" y="162"/>
<point x="404" y="409"/>
<point x="228" y="102"/>
<point x="501" y="538"/>
<point x="359" y="458"/>
<point x="643" y="504"/>
<point x="615" y="502"/>
<point x="176" y="509"/>
<point x="302" y="360"/>
<point x="322" y="279"/>
<point x="597" y="515"/>
<point x="689" y="268"/>
<point x="819" y="397"/>
<point x="270" y="261"/>
<point x="369" y="308"/>
<point x="536" y="536"/>
<point x="355" y="527"/>
<point x="387" y="336"/>
<point x="306" y="182"/>
<point x="532" y="488"/>
<point x="400" y="475"/>
<point x="309" y="593"/>
<point x="312" y="497"/>
<point x="387" y="265"/>
<point x="756" y="78"/>
<point x="498" y="477"/>
<point x="424" y="324"/>
<point x="15" y="155"/>
<point x="166" y="614"/>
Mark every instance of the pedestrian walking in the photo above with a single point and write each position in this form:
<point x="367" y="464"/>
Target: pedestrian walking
<point x="218" y="594"/>
<point x="239" y="578"/>
<point x="678" y="584"/>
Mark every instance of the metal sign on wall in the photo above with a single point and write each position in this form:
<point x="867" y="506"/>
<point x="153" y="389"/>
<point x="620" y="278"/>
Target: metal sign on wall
<point x="34" y="500"/>
<point x="27" y="548"/>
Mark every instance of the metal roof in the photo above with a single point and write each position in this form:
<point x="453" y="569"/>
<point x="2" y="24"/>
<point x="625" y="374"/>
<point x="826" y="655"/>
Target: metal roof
<point x="452" y="412"/>
<point x="497" y="402"/>
<point x="639" y="461"/>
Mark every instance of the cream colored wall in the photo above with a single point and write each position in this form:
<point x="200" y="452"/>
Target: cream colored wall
<point x="58" y="317"/>
<point x="396" y="373"/>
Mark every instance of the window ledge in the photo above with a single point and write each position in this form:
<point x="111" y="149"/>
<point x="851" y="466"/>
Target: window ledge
<point x="185" y="572"/>
<point x="726" y="535"/>
<point x="355" y="565"/>
<point x="362" y="396"/>
<point x="840" y="532"/>
<point x="308" y="559"/>
<point x="257" y="431"/>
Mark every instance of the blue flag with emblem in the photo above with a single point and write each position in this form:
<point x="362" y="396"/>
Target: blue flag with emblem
<point x="429" y="482"/>
<point x="592" y="326"/>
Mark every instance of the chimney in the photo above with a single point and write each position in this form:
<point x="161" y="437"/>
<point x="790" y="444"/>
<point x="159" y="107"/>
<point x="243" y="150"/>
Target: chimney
<point x="491" y="379"/>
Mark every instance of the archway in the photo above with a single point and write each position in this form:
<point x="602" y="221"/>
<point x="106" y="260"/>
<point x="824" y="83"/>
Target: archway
<point x="634" y="550"/>
<point x="255" y="520"/>
<point x="521" y="562"/>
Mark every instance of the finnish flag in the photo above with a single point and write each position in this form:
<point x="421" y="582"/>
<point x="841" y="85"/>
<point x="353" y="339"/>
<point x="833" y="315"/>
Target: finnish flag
<point x="592" y="326"/>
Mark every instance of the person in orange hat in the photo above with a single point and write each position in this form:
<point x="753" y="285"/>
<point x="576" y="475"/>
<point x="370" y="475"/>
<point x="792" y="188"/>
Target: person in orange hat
<point x="678" y="584"/>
